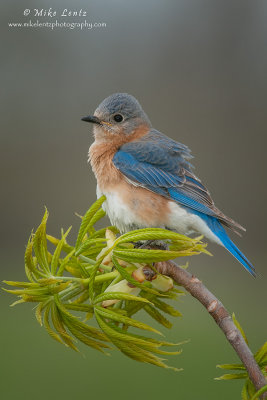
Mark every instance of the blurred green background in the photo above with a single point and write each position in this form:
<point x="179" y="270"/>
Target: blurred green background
<point x="198" y="67"/>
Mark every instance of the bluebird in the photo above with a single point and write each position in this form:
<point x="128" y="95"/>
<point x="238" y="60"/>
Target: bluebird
<point x="147" y="177"/>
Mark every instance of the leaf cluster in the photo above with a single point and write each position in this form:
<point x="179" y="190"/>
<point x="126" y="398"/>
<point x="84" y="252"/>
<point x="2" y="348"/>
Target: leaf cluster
<point x="94" y="278"/>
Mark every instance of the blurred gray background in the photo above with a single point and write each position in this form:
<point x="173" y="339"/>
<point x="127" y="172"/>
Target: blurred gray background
<point x="198" y="67"/>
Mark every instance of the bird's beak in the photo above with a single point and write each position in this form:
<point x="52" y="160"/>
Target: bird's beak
<point x="92" y="118"/>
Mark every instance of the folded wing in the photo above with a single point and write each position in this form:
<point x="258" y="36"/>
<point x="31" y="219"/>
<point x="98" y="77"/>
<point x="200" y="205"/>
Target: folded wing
<point x="162" y="165"/>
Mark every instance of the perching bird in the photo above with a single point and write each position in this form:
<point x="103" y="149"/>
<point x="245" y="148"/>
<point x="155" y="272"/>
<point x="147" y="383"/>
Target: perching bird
<point x="147" y="178"/>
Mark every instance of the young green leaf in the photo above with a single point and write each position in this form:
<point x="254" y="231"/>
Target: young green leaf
<point x="244" y="393"/>
<point x="85" y="339"/>
<point x="154" y="234"/>
<point x="57" y="252"/>
<point x="48" y="328"/>
<point x="91" y="244"/>
<point x="64" y="262"/>
<point x="38" y="312"/>
<point x="231" y="376"/>
<point x="109" y="314"/>
<point x="150" y="256"/>
<point x="29" y="264"/>
<point x="40" y="245"/>
<point x="155" y="314"/>
<point x="120" y="296"/>
<point x="78" y="307"/>
<point x="98" y="215"/>
<point x="79" y="325"/>
<point x="261" y="355"/>
<point x="66" y="247"/>
<point x="87" y="219"/>
<point x="113" y="333"/>
<point x="138" y="354"/>
<point x="239" y="327"/>
<point x="231" y="366"/>
<point x="22" y="284"/>
<point x="167" y="308"/>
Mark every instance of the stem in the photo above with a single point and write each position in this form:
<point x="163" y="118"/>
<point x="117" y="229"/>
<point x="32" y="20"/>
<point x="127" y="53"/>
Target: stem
<point x="106" y="277"/>
<point x="93" y="262"/>
<point x="70" y="279"/>
<point x="221" y="316"/>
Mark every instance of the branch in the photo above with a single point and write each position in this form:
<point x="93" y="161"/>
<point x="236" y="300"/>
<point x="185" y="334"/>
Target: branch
<point x="221" y="316"/>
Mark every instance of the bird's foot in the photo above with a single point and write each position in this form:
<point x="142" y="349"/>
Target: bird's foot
<point x="151" y="244"/>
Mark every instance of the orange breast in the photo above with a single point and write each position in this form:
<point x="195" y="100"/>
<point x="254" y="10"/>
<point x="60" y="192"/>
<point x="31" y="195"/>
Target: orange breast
<point x="146" y="207"/>
<point x="149" y="208"/>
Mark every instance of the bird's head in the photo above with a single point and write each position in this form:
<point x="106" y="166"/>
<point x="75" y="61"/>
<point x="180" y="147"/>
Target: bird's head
<point x="119" y="114"/>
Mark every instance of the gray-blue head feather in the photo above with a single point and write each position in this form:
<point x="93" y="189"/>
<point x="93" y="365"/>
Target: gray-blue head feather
<point x="122" y="110"/>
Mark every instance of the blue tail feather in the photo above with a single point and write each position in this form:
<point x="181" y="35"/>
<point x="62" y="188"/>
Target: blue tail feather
<point x="220" y="232"/>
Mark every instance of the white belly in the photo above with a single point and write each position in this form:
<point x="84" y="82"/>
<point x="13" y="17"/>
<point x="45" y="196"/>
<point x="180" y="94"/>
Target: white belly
<point x="120" y="214"/>
<point x="179" y="219"/>
<point x="187" y="223"/>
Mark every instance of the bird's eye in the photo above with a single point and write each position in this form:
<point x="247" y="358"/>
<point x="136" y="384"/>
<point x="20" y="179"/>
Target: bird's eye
<point x="118" y="117"/>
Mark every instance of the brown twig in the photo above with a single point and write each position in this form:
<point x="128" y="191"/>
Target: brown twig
<point x="221" y="316"/>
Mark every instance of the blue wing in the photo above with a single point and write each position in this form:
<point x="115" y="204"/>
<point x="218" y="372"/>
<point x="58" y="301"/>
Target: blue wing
<point x="162" y="165"/>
